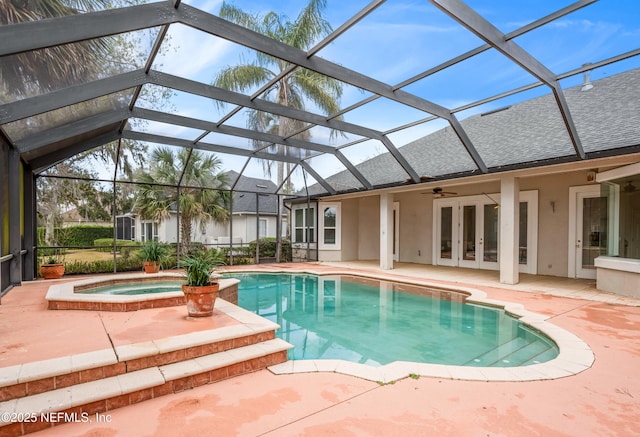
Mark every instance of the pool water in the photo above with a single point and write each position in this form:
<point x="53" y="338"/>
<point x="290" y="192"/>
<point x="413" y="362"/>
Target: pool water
<point x="376" y="322"/>
<point x="144" y="287"/>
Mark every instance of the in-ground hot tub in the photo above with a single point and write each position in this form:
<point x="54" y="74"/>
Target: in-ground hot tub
<point x="97" y="293"/>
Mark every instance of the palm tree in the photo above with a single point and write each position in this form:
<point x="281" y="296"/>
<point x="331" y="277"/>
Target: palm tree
<point x="44" y="70"/>
<point x="198" y="179"/>
<point x="295" y="87"/>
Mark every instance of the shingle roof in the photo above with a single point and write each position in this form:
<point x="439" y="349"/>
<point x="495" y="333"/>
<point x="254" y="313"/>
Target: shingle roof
<point x="606" y="116"/>
<point x="244" y="195"/>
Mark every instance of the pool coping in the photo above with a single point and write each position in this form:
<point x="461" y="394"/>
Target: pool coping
<point x="63" y="296"/>
<point x="575" y="355"/>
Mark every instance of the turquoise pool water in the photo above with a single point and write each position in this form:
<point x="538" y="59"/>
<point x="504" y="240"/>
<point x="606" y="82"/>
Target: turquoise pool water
<point x="375" y="322"/>
<point x="145" y="287"/>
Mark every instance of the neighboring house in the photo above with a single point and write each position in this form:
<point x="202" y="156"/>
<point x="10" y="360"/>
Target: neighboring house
<point x="538" y="210"/>
<point x="73" y="218"/>
<point x="245" y="224"/>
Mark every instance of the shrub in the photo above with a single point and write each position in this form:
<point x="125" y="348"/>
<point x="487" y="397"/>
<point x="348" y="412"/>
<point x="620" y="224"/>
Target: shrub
<point x="268" y="248"/>
<point x="154" y="251"/>
<point x="198" y="268"/>
<point x="76" y="236"/>
<point x="104" y="266"/>
<point x="82" y="235"/>
<point x="241" y="255"/>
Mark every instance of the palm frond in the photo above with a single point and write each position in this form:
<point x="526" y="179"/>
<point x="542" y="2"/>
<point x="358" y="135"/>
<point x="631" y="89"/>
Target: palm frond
<point x="309" y="26"/>
<point x="236" y="15"/>
<point x="242" y="78"/>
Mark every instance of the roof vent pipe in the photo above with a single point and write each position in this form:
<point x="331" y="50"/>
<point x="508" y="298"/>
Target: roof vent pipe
<point x="586" y="82"/>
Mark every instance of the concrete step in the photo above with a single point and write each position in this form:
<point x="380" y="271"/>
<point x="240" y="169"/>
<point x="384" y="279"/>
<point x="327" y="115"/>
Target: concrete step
<point x="84" y="401"/>
<point x="46" y="375"/>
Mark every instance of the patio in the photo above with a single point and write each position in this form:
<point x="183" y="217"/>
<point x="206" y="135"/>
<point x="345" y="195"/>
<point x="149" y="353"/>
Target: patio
<point x="598" y="401"/>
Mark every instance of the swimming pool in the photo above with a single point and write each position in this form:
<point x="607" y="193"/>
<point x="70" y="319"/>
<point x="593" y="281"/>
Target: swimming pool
<point x="376" y="322"/>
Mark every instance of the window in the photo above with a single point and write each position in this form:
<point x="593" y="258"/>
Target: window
<point x="619" y="227"/>
<point x="262" y="228"/>
<point x="304" y="225"/>
<point x="329" y="232"/>
<point x="125" y="228"/>
<point x="149" y="231"/>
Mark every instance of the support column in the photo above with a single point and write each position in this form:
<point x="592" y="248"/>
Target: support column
<point x="15" y="216"/>
<point x="30" y="225"/>
<point x="509" y="230"/>
<point x="386" y="231"/>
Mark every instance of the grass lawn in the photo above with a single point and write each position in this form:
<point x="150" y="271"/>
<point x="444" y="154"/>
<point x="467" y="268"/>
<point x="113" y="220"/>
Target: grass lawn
<point x="87" y="255"/>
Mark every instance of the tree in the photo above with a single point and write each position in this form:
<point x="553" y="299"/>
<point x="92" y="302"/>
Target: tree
<point x="44" y="70"/>
<point x="295" y="87"/>
<point x="198" y="179"/>
<point x="38" y="72"/>
<point x="54" y="194"/>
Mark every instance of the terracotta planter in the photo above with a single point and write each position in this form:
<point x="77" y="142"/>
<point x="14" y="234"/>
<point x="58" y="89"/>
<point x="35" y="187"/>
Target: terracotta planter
<point x="200" y="300"/>
<point x="151" y="266"/>
<point x="52" y="271"/>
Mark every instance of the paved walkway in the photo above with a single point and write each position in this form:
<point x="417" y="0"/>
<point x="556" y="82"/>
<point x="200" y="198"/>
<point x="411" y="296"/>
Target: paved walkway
<point x="602" y="400"/>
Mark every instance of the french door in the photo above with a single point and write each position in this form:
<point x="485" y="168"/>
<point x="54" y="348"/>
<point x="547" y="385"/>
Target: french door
<point x="467" y="231"/>
<point x="467" y="234"/>
<point x="587" y="230"/>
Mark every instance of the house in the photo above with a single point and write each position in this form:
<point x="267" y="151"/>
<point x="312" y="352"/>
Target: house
<point x="538" y="210"/>
<point x="249" y="195"/>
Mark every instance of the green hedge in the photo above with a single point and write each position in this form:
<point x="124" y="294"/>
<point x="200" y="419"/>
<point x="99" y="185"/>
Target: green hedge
<point x="105" y="266"/>
<point x="268" y="248"/>
<point x="76" y="235"/>
<point x="130" y="264"/>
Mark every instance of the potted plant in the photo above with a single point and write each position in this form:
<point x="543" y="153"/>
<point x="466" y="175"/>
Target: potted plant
<point x="153" y="253"/>
<point x="201" y="284"/>
<point x="52" y="268"/>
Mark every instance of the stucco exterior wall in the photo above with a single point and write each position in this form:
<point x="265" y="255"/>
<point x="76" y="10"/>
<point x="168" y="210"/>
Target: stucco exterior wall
<point x="244" y="227"/>
<point x="553" y="218"/>
<point x="350" y="226"/>
<point x="369" y="228"/>
<point x="167" y="229"/>
<point x="416" y="217"/>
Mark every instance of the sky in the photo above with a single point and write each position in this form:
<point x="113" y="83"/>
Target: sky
<point x="398" y="40"/>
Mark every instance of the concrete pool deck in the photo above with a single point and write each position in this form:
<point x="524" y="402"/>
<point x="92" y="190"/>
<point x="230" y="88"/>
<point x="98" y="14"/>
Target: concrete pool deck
<point x="601" y="400"/>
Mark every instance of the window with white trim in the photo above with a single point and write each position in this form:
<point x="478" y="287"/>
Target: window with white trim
<point x="125" y="228"/>
<point x="262" y="228"/>
<point x="329" y="229"/>
<point x="149" y="231"/>
<point x="304" y="229"/>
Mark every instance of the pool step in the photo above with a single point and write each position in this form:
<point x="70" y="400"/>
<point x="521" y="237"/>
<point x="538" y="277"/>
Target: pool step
<point x="91" y="400"/>
<point x="516" y="352"/>
<point x="496" y="354"/>
<point x="528" y="354"/>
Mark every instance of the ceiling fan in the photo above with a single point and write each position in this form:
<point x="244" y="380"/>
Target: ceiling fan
<point x="438" y="192"/>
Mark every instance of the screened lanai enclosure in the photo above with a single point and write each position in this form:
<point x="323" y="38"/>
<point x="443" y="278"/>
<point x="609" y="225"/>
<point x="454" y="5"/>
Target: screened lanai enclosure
<point x="200" y="123"/>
